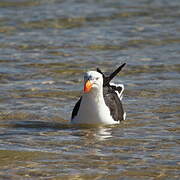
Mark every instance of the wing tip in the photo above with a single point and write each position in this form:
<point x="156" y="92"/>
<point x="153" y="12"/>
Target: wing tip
<point x="107" y="79"/>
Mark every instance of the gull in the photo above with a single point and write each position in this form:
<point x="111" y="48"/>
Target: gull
<point x="101" y="102"/>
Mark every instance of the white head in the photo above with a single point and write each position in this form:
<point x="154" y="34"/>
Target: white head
<point x="93" y="81"/>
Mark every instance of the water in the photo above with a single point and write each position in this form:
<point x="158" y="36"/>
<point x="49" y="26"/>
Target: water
<point x="46" y="45"/>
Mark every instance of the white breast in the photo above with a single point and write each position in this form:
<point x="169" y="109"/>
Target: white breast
<point x="93" y="110"/>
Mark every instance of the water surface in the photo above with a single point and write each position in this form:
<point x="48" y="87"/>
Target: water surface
<point x="46" y="46"/>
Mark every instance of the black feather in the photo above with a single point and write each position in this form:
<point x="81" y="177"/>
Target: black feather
<point x="76" y="108"/>
<point x="107" y="79"/>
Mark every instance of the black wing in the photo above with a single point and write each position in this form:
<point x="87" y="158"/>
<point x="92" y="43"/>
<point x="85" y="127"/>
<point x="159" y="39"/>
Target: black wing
<point x="113" y="102"/>
<point x="76" y="108"/>
<point x="107" y="79"/>
<point x="111" y="98"/>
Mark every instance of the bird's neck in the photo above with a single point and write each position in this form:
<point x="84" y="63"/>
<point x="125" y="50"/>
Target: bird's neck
<point x="95" y="95"/>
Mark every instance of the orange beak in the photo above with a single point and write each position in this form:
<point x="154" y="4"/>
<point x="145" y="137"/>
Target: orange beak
<point x="87" y="86"/>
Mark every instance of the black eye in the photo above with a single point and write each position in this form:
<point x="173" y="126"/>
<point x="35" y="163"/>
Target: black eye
<point x="97" y="78"/>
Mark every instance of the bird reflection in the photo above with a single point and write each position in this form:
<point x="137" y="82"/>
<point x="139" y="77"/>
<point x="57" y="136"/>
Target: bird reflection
<point x="94" y="134"/>
<point x="92" y="140"/>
